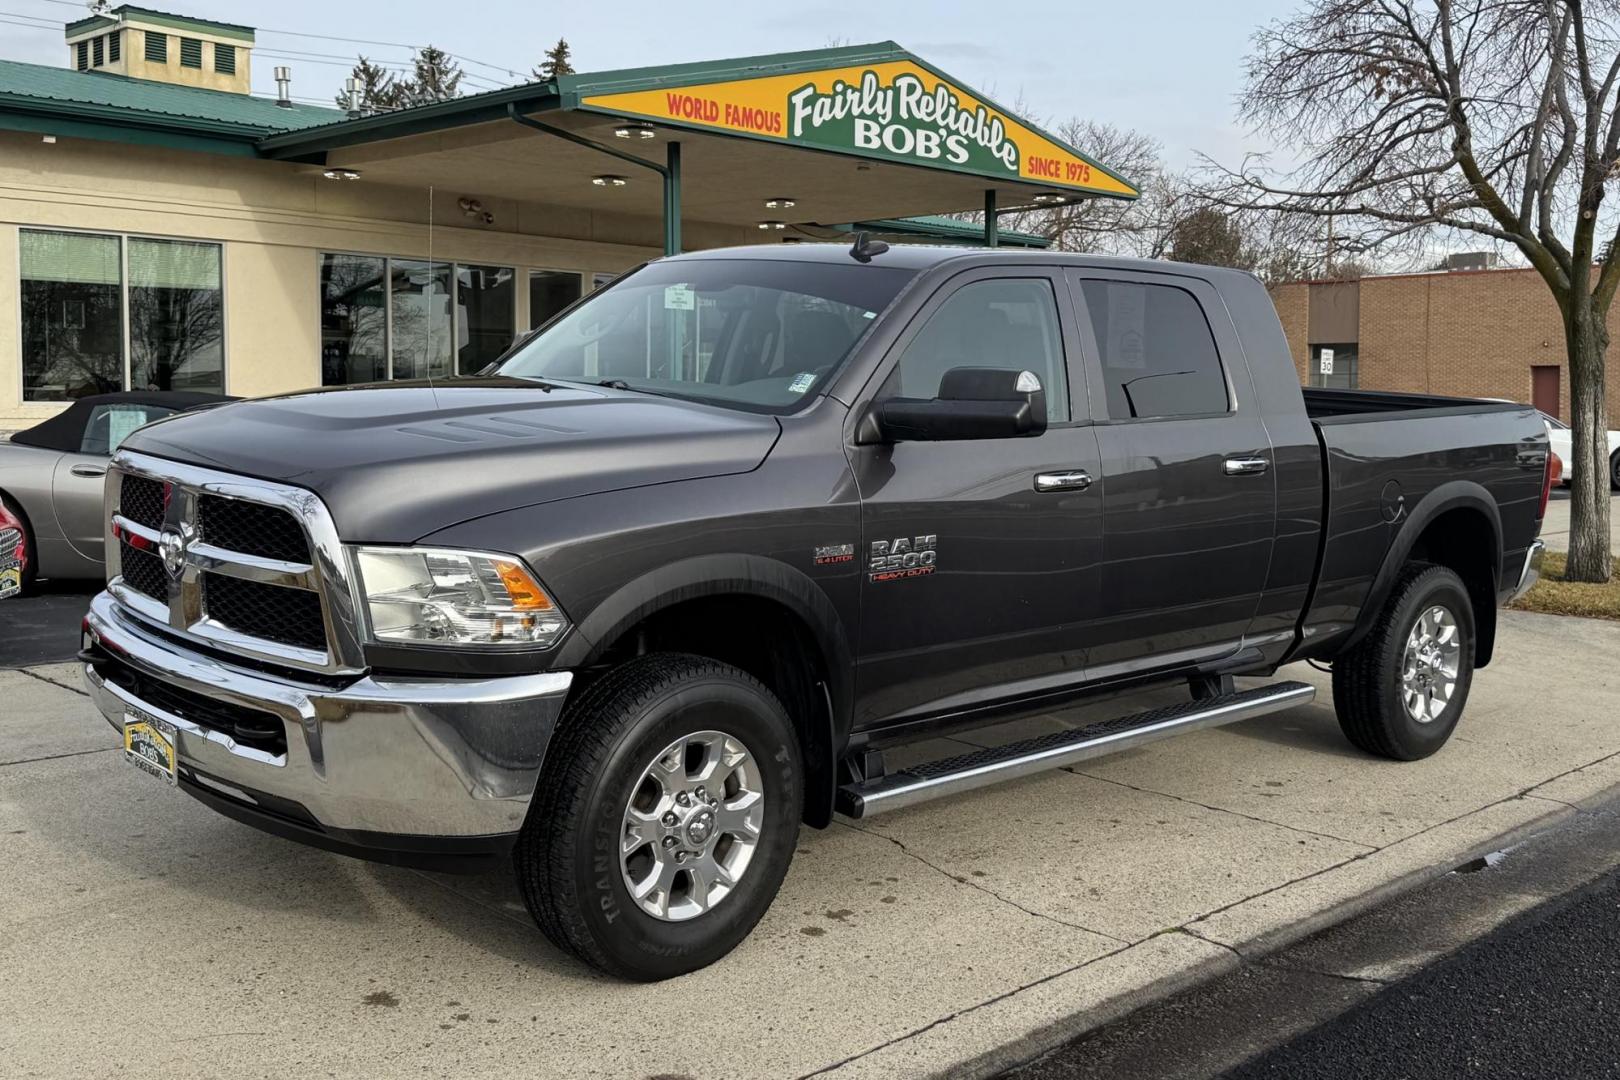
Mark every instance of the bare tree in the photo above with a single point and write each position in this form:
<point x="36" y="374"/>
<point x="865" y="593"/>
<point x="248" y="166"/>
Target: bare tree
<point x="1497" y="118"/>
<point x="1107" y="226"/>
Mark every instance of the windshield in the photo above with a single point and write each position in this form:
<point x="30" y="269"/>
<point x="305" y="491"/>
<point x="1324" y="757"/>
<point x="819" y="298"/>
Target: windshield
<point x="759" y="335"/>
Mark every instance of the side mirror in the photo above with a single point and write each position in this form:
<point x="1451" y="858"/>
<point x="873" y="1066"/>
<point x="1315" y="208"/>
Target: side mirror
<point x="973" y="403"/>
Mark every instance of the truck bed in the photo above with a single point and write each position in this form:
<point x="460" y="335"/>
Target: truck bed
<point x="1385" y="453"/>
<point x="1330" y="405"/>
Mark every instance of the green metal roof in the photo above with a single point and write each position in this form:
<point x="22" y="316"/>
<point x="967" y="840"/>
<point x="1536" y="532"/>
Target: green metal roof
<point x="162" y="18"/>
<point x="939" y="227"/>
<point x="96" y="104"/>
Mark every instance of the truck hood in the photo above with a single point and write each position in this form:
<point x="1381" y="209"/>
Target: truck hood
<point x="397" y="461"/>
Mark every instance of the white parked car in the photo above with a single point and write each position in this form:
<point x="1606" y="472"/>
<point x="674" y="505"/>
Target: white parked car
<point x="1562" y="443"/>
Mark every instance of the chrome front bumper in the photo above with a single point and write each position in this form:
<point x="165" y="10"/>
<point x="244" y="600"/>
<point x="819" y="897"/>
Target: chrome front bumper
<point x="1531" y="573"/>
<point x="431" y="758"/>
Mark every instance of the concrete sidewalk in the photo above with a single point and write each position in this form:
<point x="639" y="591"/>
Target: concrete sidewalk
<point x="1555" y="529"/>
<point x="145" y="936"/>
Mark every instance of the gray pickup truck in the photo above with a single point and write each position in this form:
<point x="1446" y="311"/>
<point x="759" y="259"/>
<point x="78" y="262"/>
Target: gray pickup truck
<point x="634" y="606"/>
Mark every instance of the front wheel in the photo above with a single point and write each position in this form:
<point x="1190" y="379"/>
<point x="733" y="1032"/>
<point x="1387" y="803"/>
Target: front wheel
<point x="1400" y="692"/>
<point x="665" y="818"/>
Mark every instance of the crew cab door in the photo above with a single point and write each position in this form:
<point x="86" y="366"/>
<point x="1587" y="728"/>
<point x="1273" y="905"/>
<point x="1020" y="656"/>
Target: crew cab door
<point x="1007" y="562"/>
<point x="1188" y="495"/>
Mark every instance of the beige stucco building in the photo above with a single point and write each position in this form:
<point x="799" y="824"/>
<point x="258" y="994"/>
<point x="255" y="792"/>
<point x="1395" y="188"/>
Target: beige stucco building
<point x="161" y="227"/>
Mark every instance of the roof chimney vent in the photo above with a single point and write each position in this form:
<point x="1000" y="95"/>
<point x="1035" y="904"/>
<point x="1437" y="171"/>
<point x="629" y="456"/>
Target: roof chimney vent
<point x="284" y="87"/>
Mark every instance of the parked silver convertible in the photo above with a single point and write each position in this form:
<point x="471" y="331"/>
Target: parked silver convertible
<point x="51" y="478"/>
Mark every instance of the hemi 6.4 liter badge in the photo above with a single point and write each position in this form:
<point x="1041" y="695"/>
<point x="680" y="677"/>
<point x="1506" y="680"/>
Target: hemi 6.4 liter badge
<point x="832" y="554"/>
<point x="902" y="557"/>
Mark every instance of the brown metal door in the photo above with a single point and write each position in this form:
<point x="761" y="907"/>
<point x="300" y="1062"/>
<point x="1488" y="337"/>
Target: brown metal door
<point x="1544" y="388"/>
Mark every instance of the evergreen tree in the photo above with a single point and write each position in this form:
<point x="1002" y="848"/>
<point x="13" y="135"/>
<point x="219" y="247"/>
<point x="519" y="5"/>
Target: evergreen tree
<point x="558" y="61"/>
<point x="378" y="90"/>
<point x="437" y="78"/>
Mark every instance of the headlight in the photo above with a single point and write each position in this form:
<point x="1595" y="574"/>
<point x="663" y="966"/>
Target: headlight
<point x="440" y="596"/>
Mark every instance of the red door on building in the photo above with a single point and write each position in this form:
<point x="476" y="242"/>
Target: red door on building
<point x="1544" y="388"/>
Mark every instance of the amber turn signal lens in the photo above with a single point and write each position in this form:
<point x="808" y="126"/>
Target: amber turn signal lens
<point x="526" y="593"/>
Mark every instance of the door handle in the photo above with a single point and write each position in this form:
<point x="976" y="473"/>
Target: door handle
<point x="1245" y="466"/>
<point x="1067" y="480"/>
<point x="88" y="470"/>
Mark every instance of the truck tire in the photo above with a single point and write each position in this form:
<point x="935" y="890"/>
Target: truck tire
<point x="665" y="817"/>
<point x="1400" y="691"/>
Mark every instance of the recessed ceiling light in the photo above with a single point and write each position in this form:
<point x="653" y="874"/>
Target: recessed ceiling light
<point x="342" y="174"/>
<point x="780" y="202"/>
<point x="635" y="131"/>
<point x="1050" y="198"/>
<point x="771" y="224"/>
<point x="609" y="180"/>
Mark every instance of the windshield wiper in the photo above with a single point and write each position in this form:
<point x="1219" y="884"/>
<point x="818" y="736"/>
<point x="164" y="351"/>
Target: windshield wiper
<point x="620" y="384"/>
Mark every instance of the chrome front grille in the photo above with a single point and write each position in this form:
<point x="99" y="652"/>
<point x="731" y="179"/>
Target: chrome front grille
<point x="243" y="565"/>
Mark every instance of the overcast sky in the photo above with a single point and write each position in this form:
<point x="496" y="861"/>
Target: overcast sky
<point x="1171" y="67"/>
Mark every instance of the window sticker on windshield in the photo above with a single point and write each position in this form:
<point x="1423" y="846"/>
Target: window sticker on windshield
<point x="801" y="382"/>
<point x="679" y="298"/>
<point x="868" y="314"/>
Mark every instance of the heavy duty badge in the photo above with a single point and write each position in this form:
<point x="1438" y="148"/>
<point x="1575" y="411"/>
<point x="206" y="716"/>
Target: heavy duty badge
<point x="902" y="557"/>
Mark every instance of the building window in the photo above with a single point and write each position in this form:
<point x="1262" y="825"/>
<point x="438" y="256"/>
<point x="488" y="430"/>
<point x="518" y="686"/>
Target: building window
<point x="601" y="278"/>
<point x="72" y="315"/>
<point x="387" y="318"/>
<point x="190" y="53"/>
<point x="1158" y="355"/>
<point x="98" y="51"/>
<point x="486" y="312"/>
<point x="75" y="293"/>
<point x="1334" y="366"/>
<point x="225" y="59"/>
<point x="549" y="292"/>
<point x="176" y="316"/>
<point x="81" y="55"/>
<point x="115" y="46"/>
<point x="354" y="319"/>
<point x="157" y="47"/>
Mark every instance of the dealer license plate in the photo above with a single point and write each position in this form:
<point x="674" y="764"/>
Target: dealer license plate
<point x="10" y="564"/>
<point x="149" y="744"/>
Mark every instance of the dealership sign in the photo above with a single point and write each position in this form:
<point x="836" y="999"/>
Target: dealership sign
<point x="897" y="110"/>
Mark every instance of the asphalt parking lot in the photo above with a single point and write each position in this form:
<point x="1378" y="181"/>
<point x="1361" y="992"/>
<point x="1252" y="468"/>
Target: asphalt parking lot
<point x="147" y="936"/>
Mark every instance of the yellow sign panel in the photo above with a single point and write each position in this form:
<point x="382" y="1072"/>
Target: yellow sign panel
<point x="897" y="110"/>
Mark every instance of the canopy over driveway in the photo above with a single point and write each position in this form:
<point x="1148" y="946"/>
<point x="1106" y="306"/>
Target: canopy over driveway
<point x="794" y="141"/>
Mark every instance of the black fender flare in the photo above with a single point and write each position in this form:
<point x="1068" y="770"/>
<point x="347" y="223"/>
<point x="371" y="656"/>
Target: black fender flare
<point x="1451" y="495"/>
<point x="738" y="575"/>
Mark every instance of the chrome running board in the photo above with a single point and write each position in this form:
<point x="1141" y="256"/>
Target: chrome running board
<point x="982" y="768"/>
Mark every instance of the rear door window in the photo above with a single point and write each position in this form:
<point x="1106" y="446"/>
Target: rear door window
<point x="1156" y="351"/>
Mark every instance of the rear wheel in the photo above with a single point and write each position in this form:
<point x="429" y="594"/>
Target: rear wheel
<point x="1614" y="470"/>
<point x="1400" y="692"/>
<point x="665" y="818"/>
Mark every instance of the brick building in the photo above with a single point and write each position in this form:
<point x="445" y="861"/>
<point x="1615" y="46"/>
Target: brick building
<point x="1475" y="333"/>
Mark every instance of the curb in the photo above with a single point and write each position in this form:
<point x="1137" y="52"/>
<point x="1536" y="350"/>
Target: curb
<point x="985" y="1040"/>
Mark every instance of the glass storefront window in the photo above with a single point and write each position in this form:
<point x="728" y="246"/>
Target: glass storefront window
<point x="354" y="319"/>
<point x="420" y="295"/>
<point x="176" y="316"/>
<point x="486" y="315"/>
<point x="549" y="292"/>
<point x="72" y="317"/>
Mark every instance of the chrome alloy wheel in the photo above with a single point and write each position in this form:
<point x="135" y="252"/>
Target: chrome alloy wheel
<point x="691" y="826"/>
<point x="1430" y="664"/>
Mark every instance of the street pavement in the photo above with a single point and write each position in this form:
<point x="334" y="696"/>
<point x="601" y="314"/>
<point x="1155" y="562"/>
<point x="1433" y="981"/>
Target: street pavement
<point x="146" y="936"/>
<point x="1507" y="967"/>
<point x="1555" y="528"/>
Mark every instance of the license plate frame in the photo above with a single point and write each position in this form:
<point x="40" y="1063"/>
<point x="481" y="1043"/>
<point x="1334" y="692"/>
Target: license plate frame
<point x="151" y="745"/>
<point x="10" y="564"/>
